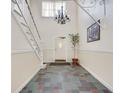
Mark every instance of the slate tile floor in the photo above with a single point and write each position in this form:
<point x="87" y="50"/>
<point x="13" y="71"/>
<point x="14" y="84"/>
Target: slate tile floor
<point x="64" y="79"/>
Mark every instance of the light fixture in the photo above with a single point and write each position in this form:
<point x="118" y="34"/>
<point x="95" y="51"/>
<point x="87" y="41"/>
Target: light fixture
<point x="60" y="45"/>
<point x="61" y="16"/>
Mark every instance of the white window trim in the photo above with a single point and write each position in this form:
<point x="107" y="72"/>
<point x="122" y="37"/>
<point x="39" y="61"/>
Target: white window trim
<point x="50" y="17"/>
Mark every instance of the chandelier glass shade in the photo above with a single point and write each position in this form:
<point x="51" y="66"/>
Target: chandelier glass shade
<point x="61" y="16"/>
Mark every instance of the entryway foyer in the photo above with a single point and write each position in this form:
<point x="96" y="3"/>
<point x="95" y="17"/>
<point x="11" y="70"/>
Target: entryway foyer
<point x="62" y="46"/>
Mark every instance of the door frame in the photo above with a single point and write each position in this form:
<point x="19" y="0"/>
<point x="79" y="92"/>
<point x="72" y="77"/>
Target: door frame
<point x="61" y="37"/>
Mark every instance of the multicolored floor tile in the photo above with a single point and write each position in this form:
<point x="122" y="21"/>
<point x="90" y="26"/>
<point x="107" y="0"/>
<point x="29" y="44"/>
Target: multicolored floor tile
<point x="64" y="79"/>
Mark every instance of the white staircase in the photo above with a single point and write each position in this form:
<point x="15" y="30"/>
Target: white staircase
<point x="22" y="13"/>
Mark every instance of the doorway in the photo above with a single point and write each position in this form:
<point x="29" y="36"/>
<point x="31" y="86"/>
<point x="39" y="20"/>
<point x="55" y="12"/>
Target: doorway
<point x="60" y="49"/>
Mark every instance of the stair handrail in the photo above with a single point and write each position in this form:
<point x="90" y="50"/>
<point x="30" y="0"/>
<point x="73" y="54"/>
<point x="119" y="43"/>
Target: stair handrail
<point x="15" y="2"/>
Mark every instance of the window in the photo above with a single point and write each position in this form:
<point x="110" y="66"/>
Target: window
<point x="50" y="8"/>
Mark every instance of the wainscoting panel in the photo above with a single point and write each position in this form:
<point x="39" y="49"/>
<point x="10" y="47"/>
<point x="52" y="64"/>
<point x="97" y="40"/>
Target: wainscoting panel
<point x="99" y="64"/>
<point x="24" y="67"/>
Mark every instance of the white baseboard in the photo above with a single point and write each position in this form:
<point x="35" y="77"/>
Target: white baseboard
<point x="98" y="78"/>
<point x="27" y="81"/>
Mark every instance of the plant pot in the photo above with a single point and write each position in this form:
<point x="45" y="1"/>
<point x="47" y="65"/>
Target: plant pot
<point x="75" y="61"/>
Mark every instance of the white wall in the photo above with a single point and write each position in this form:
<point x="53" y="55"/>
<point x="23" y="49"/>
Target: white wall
<point x="24" y="62"/>
<point x="24" y="67"/>
<point x="18" y="40"/>
<point x="49" y="29"/>
<point x="96" y="56"/>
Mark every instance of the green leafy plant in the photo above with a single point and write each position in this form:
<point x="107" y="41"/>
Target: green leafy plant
<point x="75" y="41"/>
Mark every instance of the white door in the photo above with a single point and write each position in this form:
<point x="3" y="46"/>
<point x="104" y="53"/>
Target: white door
<point x="60" y="48"/>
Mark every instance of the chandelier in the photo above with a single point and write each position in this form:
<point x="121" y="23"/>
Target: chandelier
<point x="61" y="17"/>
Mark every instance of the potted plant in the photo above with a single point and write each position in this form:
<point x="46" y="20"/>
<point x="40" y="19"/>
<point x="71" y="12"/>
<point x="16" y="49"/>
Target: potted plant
<point x="75" y="41"/>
